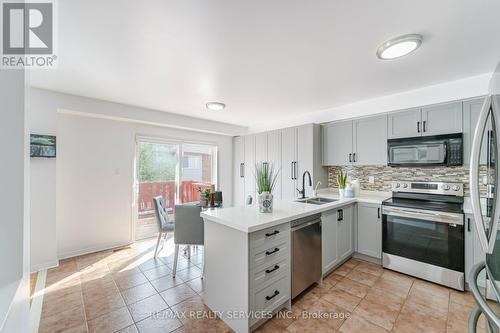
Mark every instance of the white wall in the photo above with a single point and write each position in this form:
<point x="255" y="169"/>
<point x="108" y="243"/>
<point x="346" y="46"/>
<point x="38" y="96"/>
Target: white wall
<point x="79" y="204"/>
<point x="14" y="204"/>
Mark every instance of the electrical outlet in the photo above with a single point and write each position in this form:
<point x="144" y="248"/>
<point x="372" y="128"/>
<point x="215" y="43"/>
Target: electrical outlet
<point x="371" y="179"/>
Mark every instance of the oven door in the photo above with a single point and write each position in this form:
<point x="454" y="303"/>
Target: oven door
<point x="431" y="237"/>
<point x="406" y="152"/>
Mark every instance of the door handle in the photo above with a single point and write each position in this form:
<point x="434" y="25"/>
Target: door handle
<point x="340" y="215"/>
<point x="487" y="243"/>
<point x="268" y="253"/>
<point x="468" y="224"/>
<point x="276" y="293"/>
<point x="242" y="170"/>
<point x="295" y="170"/>
<point x="275" y="232"/>
<point x="354" y="157"/>
<point x="418" y="126"/>
<point x="423" y="126"/>
<point x="291" y="170"/>
<point x="378" y="212"/>
<point x="273" y="269"/>
<point x="350" y="157"/>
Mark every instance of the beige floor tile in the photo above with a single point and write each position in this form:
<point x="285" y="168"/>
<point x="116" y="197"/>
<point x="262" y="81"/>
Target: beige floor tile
<point x="52" y="306"/>
<point x="197" y="284"/>
<point x="393" y="301"/>
<point x="207" y="325"/>
<point x="147" y="307"/>
<point x="430" y="295"/>
<point x="321" y="289"/>
<point x="305" y="300"/>
<point x="130" y="281"/>
<point x="416" y="317"/>
<point x="271" y="327"/>
<point x="166" y="282"/>
<point x="111" y="322"/>
<point x="190" y="308"/>
<point x="353" y="287"/>
<point x="63" y="321"/>
<point x="462" y="297"/>
<point x="177" y="294"/>
<point x="157" y="272"/>
<point x="75" y="329"/>
<point x="383" y="315"/>
<point x="129" y="329"/>
<point x="98" y="306"/>
<point x="362" y="277"/>
<point x="356" y="324"/>
<point x="165" y="321"/>
<point x="343" y="270"/>
<point x="189" y="273"/>
<point x="394" y="284"/>
<point x="369" y="267"/>
<point x="150" y="263"/>
<point x="135" y="294"/>
<point x="342" y="298"/>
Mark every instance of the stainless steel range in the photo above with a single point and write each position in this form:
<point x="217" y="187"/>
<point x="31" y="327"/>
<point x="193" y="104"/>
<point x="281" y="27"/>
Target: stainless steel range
<point x="423" y="231"/>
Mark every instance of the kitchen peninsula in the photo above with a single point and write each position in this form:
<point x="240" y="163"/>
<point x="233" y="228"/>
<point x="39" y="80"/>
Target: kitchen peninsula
<point x="248" y="254"/>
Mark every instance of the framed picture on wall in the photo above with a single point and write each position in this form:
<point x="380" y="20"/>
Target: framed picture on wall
<point x="42" y="146"/>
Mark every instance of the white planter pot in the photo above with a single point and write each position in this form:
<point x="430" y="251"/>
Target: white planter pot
<point x="266" y="202"/>
<point x="341" y="193"/>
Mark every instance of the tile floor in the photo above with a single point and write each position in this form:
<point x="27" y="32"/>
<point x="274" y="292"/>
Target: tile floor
<point x="129" y="291"/>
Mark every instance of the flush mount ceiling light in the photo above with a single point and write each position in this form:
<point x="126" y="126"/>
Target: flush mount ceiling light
<point x="215" y="106"/>
<point x="399" y="46"/>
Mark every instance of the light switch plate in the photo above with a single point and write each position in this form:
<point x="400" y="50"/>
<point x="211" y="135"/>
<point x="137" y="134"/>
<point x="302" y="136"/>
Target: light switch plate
<point x="371" y="179"/>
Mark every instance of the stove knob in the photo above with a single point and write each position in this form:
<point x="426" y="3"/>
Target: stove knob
<point x="456" y="187"/>
<point x="405" y="185"/>
<point x="446" y="187"/>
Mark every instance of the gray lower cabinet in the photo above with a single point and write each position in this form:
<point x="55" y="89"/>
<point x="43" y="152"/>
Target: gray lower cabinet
<point x="442" y="119"/>
<point x="404" y="124"/>
<point x="369" y="230"/>
<point x="336" y="236"/>
<point x="473" y="251"/>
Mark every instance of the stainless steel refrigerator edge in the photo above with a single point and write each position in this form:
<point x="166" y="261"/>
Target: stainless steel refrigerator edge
<point x="486" y="209"/>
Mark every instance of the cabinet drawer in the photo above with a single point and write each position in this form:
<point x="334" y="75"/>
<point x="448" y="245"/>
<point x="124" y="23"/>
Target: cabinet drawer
<point x="268" y="255"/>
<point x="263" y="275"/>
<point x="268" y="298"/>
<point x="267" y="236"/>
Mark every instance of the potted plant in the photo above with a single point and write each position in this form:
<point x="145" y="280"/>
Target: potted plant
<point x="204" y="197"/>
<point x="265" y="178"/>
<point x="342" y="181"/>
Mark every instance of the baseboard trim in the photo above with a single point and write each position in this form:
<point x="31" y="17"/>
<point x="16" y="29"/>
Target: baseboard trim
<point x="367" y="258"/>
<point x="89" y="250"/>
<point x="37" y="301"/>
<point x="46" y="265"/>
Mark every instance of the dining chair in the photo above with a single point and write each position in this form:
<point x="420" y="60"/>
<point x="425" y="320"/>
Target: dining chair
<point x="189" y="230"/>
<point x="164" y="224"/>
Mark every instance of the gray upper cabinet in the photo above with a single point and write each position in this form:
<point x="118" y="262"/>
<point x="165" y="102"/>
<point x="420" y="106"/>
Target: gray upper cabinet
<point x="249" y="172"/>
<point x="404" y="124"/>
<point x="471" y="110"/>
<point x="442" y="119"/>
<point x="370" y="230"/>
<point x="239" y="171"/>
<point x="338" y="143"/>
<point x="274" y="157"/>
<point x="370" y="141"/>
<point x="261" y="148"/>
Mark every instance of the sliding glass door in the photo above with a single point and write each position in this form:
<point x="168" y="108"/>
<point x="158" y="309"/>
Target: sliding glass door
<point x="175" y="171"/>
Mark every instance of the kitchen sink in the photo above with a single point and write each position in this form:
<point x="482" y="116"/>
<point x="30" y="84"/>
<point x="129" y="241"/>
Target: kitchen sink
<point x="316" y="201"/>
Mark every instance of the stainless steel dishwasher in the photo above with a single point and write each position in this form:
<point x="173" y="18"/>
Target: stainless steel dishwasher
<point x="306" y="253"/>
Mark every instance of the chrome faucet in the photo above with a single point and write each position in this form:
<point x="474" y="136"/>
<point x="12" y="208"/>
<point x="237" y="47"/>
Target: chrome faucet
<point x="303" y="192"/>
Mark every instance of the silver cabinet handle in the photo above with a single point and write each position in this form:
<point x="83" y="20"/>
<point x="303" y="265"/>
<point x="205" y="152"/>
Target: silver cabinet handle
<point x="291" y="170"/>
<point x="486" y="243"/>
<point x="242" y="170"/>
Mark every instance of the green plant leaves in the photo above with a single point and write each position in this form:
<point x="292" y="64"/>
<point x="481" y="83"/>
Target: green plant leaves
<point x="265" y="177"/>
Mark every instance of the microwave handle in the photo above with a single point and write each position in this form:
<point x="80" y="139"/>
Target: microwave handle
<point x="445" y="157"/>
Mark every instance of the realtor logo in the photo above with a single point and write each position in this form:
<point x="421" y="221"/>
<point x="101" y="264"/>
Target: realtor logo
<point x="27" y="34"/>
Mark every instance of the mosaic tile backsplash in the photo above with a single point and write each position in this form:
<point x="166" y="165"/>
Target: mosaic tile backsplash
<point x="384" y="175"/>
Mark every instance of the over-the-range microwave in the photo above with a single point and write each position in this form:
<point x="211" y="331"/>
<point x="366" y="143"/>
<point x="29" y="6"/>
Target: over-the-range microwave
<point x="445" y="150"/>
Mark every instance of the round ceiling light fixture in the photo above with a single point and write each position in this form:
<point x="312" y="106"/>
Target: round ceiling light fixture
<point x="399" y="46"/>
<point x="215" y="106"/>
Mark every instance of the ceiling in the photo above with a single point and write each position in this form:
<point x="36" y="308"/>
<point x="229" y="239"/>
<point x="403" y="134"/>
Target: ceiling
<point x="266" y="60"/>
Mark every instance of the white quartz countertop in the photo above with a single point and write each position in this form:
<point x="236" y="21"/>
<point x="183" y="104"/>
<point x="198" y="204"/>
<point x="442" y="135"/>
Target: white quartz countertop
<point x="248" y="219"/>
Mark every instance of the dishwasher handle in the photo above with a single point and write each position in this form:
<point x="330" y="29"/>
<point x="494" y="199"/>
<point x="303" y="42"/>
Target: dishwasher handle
<point x="306" y="224"/>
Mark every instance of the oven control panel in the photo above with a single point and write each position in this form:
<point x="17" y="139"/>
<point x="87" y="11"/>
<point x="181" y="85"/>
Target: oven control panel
<point x="456" y="189"/>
